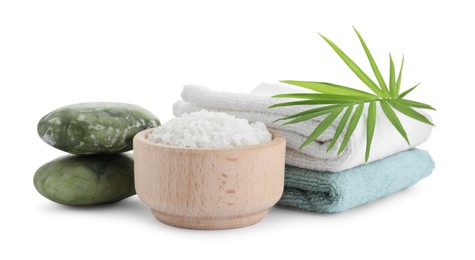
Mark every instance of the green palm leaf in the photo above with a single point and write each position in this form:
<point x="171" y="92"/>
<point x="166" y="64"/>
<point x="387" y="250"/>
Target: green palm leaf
<point x="351" y="127"/>
<point x="329" y="88"/>
<point x="375" y="68"/>
<point x="340" y="127"/>
<point x="310" y="111"/>
<point x="415" y="104"/>
<point x="316" y="96"/>
<point x="309" y="102"/>
<point x="370" y="123"/>
<point x="336" y="98"/>
<point x="392" y="79"/>
<point x="309" y="116"/>
<point x="321" y="127"/>
<point x="408" y="91"/>
<point x="410" y="112"/>
<point x="394" y="119"/>
<point x="352" y="65"/>
<point x="399" y="77"/>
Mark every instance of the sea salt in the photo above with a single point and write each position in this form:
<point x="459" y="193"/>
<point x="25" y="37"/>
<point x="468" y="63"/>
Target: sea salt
<point x="205" y="129"/>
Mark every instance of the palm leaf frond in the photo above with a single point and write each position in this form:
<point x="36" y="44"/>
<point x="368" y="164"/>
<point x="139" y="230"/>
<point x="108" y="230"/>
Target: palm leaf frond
<point x="394" y="119"/>
<point x="410" y="112"/>
<point x="403" y="94"/>
<point x="415" y="104"/>
<point x="332" y="99"/>
<point x="398" y="82"/>
<point x="392" y="77"/>
<point x="329" y="88"/>
<point x="370" y="123"/>
<point x="309" y="116"/>
<point x="321" y="127"/>
<point x="310" y="111"/>
<point x="375" y="68"/>
<point x="352" y="65"/>
<point x="308" y="102"/>
<point x="340" y="127"/>
<point x="351" y="127"/>
<point x="317" y="96"/>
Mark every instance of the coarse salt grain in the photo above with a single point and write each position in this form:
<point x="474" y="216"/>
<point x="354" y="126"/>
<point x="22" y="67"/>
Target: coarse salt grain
<point x="205" y="129"/>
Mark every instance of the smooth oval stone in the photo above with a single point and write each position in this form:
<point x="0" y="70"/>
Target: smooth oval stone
<point x="89" y="128"/>
<point x="86" y="179"/>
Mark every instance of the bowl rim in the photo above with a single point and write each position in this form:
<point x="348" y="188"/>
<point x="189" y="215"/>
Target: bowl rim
<point x="277" y="139"/>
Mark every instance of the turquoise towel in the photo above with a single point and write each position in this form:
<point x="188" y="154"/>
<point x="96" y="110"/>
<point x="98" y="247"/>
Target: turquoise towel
<point x="332" y="192"/>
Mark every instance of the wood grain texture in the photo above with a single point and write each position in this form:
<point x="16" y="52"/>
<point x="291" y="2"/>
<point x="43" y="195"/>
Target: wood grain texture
<point x="202" y="188"/>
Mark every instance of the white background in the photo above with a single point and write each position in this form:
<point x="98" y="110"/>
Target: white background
<point x="53" y="53"/>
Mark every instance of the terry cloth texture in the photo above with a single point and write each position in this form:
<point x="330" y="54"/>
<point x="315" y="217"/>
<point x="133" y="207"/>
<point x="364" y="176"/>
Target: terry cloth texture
<point x="330" y="192"/>
<point x="254" y="107"/>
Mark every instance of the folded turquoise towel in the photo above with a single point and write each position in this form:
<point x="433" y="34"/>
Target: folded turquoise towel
<point x="332" y="192"/>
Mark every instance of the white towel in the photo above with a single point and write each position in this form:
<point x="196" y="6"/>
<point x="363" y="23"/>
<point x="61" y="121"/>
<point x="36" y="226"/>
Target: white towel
<point x="254" y="107"/>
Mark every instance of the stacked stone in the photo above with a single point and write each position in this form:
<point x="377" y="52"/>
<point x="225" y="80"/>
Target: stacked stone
<point x="97" y="135"/>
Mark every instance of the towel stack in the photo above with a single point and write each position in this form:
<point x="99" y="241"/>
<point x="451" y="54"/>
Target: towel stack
<point x="314" y="179"/>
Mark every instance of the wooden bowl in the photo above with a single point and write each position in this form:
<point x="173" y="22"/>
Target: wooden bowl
<point x="209" y="188"/>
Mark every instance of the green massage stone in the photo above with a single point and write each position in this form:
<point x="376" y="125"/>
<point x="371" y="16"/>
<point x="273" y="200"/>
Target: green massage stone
<point x="91" y="128"/>
<point x="86" y="179"/>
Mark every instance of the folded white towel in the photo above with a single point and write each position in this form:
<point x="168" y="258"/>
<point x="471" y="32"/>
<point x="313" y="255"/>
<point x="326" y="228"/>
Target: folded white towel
<point x="254" y="107"/>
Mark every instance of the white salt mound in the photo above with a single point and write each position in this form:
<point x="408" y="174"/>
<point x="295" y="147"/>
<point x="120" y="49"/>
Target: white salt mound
<point x="205" y="129"/>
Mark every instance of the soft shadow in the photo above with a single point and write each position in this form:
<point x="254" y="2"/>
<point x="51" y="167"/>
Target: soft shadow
<point x="132" y="208"/>
<point x="279" y="215"/>
<point x="129" y="207"/>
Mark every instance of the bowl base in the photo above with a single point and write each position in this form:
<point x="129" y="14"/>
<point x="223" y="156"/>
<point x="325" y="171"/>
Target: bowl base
<point x="209" y="223"/>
